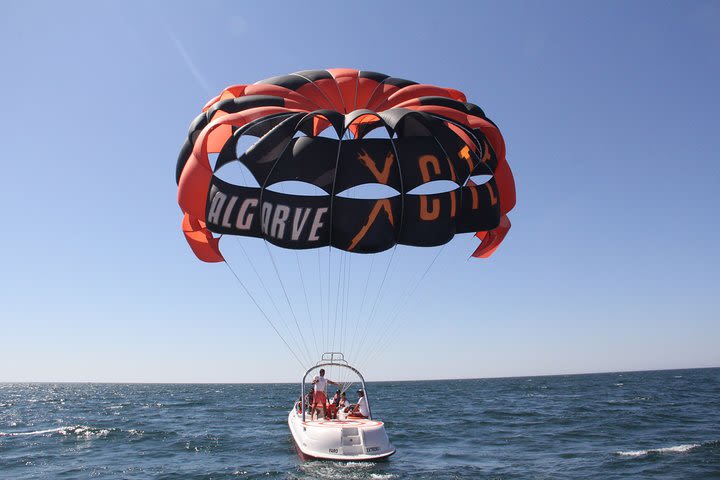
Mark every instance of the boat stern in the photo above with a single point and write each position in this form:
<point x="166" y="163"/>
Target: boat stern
<point x="350" y="440"/>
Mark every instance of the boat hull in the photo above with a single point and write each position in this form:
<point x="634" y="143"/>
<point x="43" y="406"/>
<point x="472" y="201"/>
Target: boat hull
<point x="341" y="440"/>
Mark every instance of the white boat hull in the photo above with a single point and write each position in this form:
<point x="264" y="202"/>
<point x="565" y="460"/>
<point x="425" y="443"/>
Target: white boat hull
<point x="351" y="439"/>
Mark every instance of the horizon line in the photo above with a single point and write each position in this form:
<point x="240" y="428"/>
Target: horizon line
<point x="4" y="382"/>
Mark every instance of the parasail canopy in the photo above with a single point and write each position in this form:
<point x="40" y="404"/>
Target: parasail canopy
<point x="334" y="131"/>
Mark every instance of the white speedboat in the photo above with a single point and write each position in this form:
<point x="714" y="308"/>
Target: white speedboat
<point x="345" y="438"/>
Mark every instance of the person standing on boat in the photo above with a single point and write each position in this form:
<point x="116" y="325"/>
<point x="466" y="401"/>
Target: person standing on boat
<point x="320" y="387"/>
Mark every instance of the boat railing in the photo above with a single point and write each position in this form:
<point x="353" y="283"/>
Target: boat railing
<point x="334" y="358"/>
<point x="338" y="359"/>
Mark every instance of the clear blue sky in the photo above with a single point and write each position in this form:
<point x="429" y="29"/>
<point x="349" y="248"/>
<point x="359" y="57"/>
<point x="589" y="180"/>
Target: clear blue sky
<point x="610" y="113"/>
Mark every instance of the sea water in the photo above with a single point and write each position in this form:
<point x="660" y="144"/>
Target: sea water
<point x="660" y="425"/>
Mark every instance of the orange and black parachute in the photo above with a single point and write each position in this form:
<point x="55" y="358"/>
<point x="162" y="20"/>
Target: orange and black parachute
<point x="433" y="134"/>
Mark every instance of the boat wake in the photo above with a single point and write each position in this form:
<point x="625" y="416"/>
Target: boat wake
<point x="343" y="470"/>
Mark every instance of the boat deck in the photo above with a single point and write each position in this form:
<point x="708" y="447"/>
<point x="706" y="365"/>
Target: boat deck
<point x="348" y="422"/>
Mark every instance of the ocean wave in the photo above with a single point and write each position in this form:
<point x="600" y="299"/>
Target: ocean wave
<point x="629" y="401"/>
<point x="80" y="431"/>
<point x="676" y="449"/>
<point x="37" y="432"/>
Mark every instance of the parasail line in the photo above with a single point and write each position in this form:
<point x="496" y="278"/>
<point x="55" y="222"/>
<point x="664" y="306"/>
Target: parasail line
<point x="345" y="302"/>
<point x="400" y="229"/>
<point x="307" y="302"/>
<point x="362" y="303"/>
<point x="287" y="299"/>
<point x="386" y="335"/>
<point x="267" y="291"/>
<point x="375" y="303"/>
<point x="332" y="215"/>
<point x="327" y="316"/>
<point x="337" y="296"/>
<point x="348" y="278"/>
<point x="263" y="313"/>
<point x="322" y="320"/>
<point x="272" y="258"/>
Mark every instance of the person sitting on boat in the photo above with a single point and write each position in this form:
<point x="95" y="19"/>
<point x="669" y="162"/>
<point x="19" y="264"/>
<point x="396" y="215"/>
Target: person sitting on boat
<point x="332" y="407"/>
<point x="320" y="386"/>
<point x="342" y="403"/>
<point x="360" y="410"/>
<point x="308" y="401"/>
